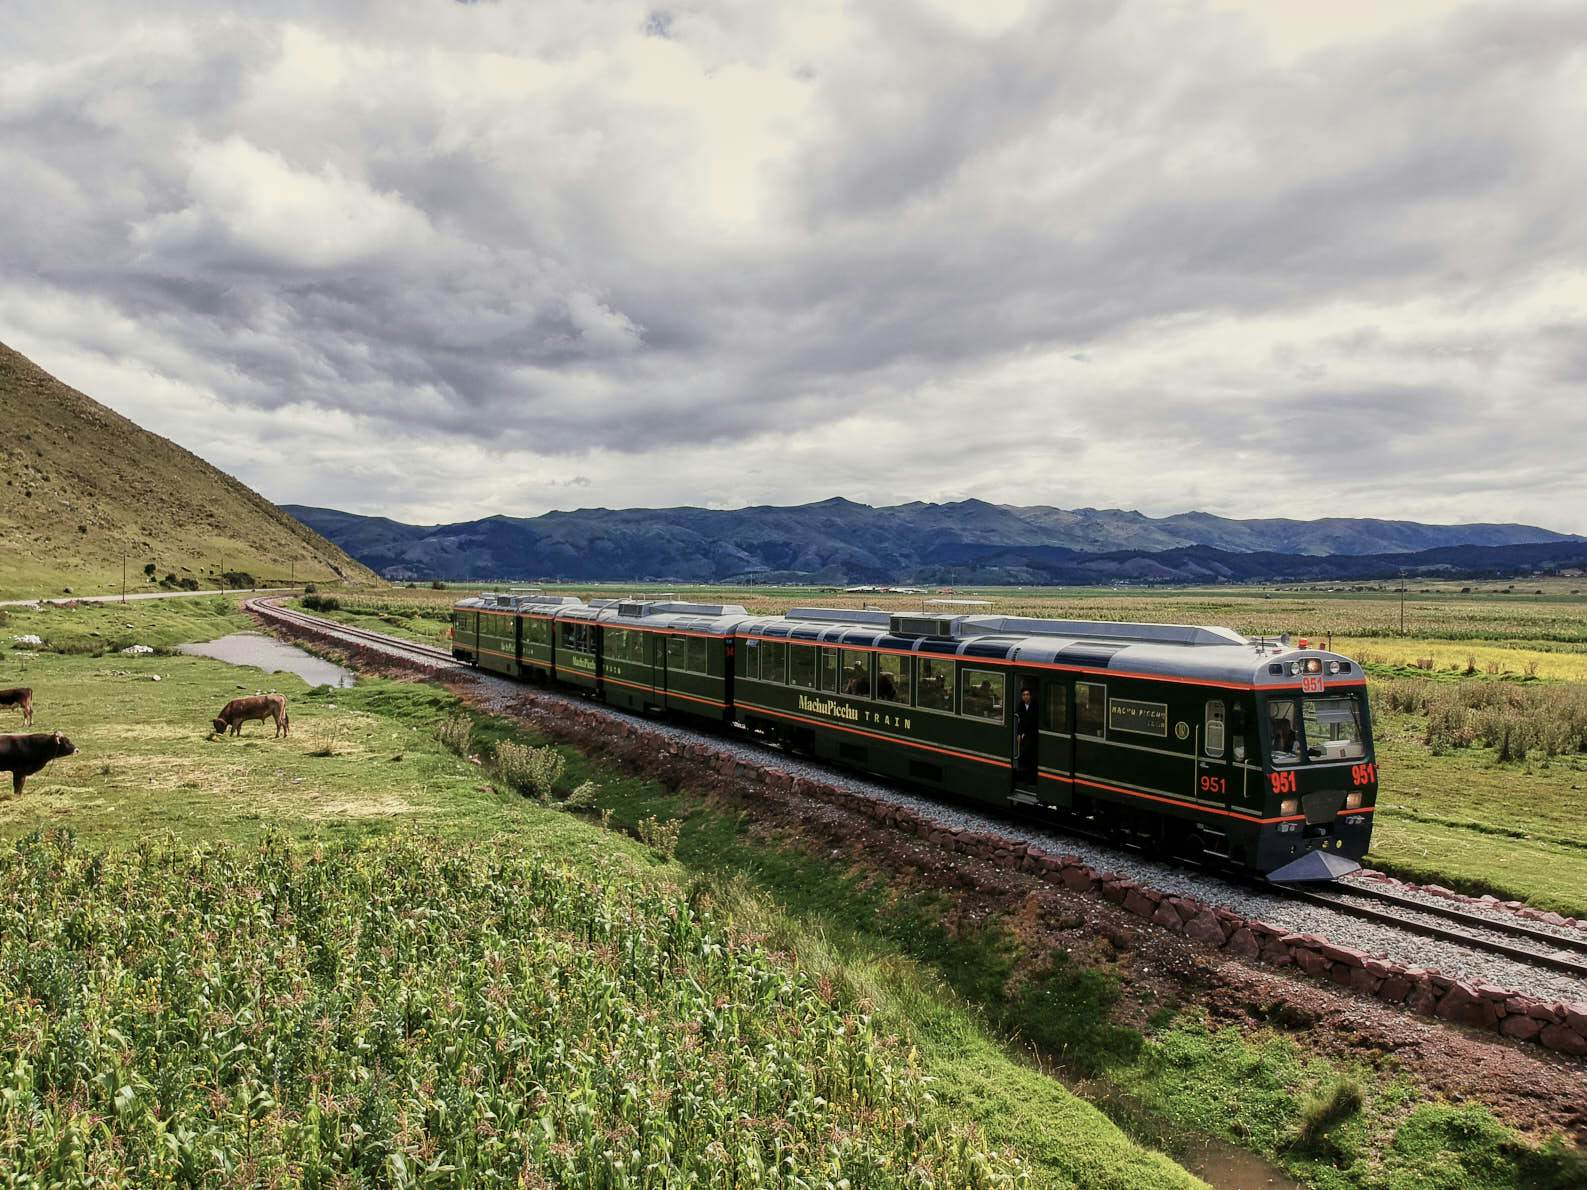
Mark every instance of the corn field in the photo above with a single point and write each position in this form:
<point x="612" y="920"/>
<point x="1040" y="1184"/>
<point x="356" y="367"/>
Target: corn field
<point x="410" y="1012"/>
<point x="1511" y="718"/>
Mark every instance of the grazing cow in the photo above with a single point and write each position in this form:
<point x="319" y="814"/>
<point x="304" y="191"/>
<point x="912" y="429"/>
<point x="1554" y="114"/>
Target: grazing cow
<point x="19" y="697"/>
<point x="24" y="755"/>
<point x="258" y="706"/>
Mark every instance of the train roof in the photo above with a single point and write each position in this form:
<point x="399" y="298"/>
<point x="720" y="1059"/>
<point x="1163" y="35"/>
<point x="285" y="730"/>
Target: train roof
<point x="672" y="615"/>
<point x="1192" y="652"/>
<point x="515" y="602"/>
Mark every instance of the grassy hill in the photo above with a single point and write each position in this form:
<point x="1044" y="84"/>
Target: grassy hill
<point x="84" y="485"/>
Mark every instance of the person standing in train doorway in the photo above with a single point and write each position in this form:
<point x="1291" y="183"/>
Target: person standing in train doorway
<point x="1025" y="736"/>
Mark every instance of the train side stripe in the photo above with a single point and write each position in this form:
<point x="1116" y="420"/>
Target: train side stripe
<point x="873" y="735"/>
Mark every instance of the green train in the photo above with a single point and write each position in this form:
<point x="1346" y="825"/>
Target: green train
<point x="1255" y="754"/>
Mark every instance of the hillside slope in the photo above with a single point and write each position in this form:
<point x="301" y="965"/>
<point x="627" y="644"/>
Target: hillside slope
<point x="83" y="485"/>
<point x="839" y="541"/>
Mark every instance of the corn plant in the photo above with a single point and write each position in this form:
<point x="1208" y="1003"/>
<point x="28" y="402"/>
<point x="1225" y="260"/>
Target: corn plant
<point x="409" y="1012"/>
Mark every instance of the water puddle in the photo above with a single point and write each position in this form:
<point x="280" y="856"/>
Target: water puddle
<point x="1218" y="1162"/>
<point x="270" y="655"/>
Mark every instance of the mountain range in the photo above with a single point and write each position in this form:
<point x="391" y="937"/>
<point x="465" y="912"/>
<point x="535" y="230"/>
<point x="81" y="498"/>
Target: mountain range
<point x="838" y="541"/>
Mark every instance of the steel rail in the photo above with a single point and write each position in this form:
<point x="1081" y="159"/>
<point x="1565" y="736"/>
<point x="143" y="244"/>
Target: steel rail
<point x="268" y="609"/>
<point x="1520" y="954"/>
<point x="1520" y="929"/>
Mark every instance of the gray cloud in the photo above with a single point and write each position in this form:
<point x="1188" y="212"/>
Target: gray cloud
<point x="441" y="260"/>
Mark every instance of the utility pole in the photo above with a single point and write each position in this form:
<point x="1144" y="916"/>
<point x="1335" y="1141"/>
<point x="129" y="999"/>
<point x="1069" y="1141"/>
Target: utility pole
<point x="1402" y="603"/>
<point x="123" y="574"/>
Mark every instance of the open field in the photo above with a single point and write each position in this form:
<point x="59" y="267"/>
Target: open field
<point x="363" y="768"/>
<point x="364" y="778"/>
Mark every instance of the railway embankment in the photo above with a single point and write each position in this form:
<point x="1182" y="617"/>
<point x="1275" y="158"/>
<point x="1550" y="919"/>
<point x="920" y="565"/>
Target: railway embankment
<point x="1546" y="1008"/>
<point x="1554" y="1023"/>
<point x="1061" y="906"/>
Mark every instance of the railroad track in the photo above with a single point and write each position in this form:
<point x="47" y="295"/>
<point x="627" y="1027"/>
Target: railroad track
<point x="1516" y="941"/>
<point x="1512" y="940"/>
<point x="281" y="615"/>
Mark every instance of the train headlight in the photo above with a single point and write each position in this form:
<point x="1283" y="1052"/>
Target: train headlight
<point x="1289" y="807"/>
<point x="1353" y="800"/>
<point x="1294" y="667"/>
<point x="1333" y="667"/>
<point x="1313" y="665"/>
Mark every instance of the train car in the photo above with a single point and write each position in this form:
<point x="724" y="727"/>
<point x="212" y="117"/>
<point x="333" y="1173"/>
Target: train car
<point x="669" y="655"/>
<point x="1188" y="739"/>
<point x="507" y="633"/>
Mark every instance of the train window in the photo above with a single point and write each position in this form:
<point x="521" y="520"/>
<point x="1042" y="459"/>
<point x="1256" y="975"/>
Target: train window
<point x="1091" y="708"/>
<point x="982" y="697"/>
<point x="773" y="661"/>
<point x="854" y="675"/>
<point x="802" y="666"/>
<point x="1055" y="708"/>
<point x="935" y="689"/>
<point x="578" y="638"/>
<point x="892" y="678"/>
<point x="1333" y="728"/>
<point x="614" y="644"/>
<point x="536" y="632"/>
<point x="749" y="659"/>
<point x="1281" y="725"/>
<point x="1212" y="741"/>
<point x="829" y="670"/>
<point x="1237" y="728"/>
<point x="697" y="655"/>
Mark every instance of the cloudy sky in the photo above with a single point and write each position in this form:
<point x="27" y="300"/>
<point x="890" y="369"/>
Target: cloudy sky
<point x="434" y="260"/>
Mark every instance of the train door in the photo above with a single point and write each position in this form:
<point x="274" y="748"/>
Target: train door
<point x="1026" y="742"/>
<point x="1056" y="757"/>
<point x="1216" y="774"/>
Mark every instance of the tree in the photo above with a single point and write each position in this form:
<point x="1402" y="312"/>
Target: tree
<point x="148" y="570"/>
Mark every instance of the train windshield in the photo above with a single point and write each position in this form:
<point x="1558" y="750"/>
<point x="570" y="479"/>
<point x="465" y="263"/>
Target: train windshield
<point x="1315" y="727"/>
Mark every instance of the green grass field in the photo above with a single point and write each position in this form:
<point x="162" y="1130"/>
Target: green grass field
<point x="363" y="768"/>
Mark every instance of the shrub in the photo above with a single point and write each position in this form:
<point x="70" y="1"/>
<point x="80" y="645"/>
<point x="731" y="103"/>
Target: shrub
<point x="310" y="588"/>
<point x="661" y="837"/>
<point x="533" y="772"/>
<point x="457" y="734"/>
<point x="437" y="585"/>
<point x="1325" y="1111"/>
<point x="583" y="797"/>
<point x="321" y="603"/>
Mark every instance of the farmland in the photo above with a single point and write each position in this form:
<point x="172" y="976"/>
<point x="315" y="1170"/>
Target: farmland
<point x="260" y="858"/>
<point x="173" y="827"/>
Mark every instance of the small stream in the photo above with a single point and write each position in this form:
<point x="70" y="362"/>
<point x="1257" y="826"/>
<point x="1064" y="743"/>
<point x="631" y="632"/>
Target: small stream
<point x="1222" y="1164"/>
<point x="272" y="656"/>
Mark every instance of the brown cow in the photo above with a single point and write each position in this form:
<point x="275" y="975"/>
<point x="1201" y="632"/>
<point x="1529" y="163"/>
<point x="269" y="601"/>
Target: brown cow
<point x="20" y="697"/>
<point x="257" y="706"/>
<point x="24" y="755"/>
